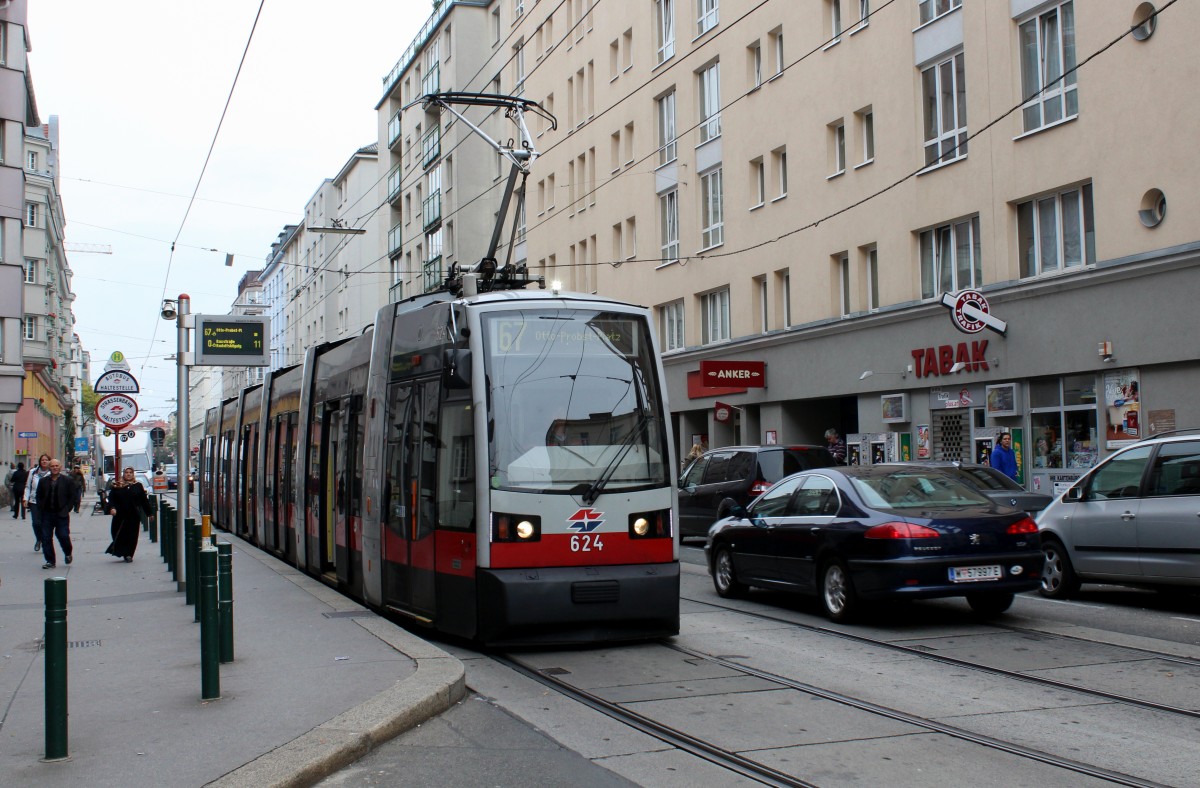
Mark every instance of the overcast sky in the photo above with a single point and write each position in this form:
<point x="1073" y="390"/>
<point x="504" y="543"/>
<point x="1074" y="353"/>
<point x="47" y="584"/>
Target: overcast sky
<point x="139" y="86"/>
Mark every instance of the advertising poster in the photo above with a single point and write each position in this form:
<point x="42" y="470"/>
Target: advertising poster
<point x="923" y="451"/>
<point x="1122" y="408"/>
<point x="905" y="447"/>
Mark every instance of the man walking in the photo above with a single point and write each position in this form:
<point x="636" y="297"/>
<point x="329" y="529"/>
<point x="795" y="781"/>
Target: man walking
<point x="56" y="496"/>
<point x="1004" y="459"/>
<point x="836" y="446"/>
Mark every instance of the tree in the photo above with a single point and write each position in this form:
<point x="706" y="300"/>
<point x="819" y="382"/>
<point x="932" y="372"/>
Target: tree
<point x="89" y="398"/>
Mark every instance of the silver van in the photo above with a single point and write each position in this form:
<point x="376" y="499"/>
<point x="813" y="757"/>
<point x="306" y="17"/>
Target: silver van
<point x="1134" y="519"/>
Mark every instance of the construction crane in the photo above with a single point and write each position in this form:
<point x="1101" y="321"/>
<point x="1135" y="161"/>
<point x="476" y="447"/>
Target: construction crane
<point x="88" y="248"/>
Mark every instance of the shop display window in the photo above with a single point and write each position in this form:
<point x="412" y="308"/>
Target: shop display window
<point x="1063" y="422"/>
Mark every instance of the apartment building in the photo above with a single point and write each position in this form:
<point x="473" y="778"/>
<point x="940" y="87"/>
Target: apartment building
<point x="921" y="222"/>
<point x="249" y="301"/>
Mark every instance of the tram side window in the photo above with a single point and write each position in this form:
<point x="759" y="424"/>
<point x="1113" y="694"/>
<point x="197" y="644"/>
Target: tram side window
<point x="456" y="471"/>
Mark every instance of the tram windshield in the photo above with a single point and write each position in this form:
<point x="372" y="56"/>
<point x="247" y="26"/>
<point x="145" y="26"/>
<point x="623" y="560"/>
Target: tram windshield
<point x="574" y="399"/>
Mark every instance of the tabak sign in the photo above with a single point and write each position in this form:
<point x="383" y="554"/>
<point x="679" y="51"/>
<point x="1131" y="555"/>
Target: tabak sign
<point x="116" y="411"/>
<point x="937" y="361"/>
<point x="747" y="374"/>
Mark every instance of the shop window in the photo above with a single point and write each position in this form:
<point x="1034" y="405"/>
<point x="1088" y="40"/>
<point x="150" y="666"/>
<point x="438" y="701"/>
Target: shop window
<point x="1063" y="422"/>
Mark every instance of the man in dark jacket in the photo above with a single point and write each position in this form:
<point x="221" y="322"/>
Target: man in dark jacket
<point x="17" y="484"/>
<point x="56" y="496"/>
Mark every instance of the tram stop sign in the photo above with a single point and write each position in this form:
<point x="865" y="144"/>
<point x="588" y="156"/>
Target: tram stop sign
<point x="158" y="436"/>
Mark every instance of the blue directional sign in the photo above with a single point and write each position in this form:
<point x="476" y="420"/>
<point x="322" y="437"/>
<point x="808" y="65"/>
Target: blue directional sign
<point x="81" y="445"/>
<point x="26" y="434"/>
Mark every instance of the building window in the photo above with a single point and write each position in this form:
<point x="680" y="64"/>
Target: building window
<point x="777" y="41"/>
<point x="712" y="221"/>
<point x="944" y="93"/>
<point x="754" y="54"/>
<point x="519" y="67"/>
<point x="31" y="214"/>
<point x="1047" y="53"/>
<point x="715" y="308"/>
<point x="496" y="25"/>
<point x="666" y="129"/>
<point x="864" y="12"/>
<point x="671" y="317"/>
<point x="837" y="144"/>
<point x="951" y="258"/>
<point x="668" y="208"/>
<point x="31" y="326"/>
<point x="32" y="161"/>
<point x="710" y="102"/>
<point x="932" y="9"/>
<point x="835" y="19"/>
<point x="780" y="157"/>
<point x="842" y="263"/>
<point x="665" y="24"/>
<point x="758" y="174"/>
<point x="867" y="121"/>
<point x="1056" y="232"/>
<point x="31" y="267"/>
<point x="872" y="279"/>
<point x="764" y="323"/>
<point x="787" y="300"/>
<point x="706" y="16"/>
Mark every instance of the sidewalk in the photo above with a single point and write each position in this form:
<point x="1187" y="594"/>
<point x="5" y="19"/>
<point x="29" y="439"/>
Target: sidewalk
<point x="317" y="681"/>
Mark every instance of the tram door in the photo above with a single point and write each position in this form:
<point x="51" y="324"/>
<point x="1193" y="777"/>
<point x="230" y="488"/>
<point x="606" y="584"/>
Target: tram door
<point x="411" y="463"/>
<point x="332" y="475"/>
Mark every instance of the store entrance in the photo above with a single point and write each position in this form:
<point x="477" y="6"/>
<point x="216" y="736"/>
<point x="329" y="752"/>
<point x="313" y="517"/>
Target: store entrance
<point x="951" y="435"/>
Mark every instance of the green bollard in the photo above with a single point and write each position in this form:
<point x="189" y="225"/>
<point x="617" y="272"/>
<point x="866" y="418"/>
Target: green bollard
<point x="210" y="672"/>
<point x="152" y="518"/>
<point x="169" y="542"/>
<point x="189" y="562"/>
<point x="56" y="668"/>
<point x="225" y="598"/>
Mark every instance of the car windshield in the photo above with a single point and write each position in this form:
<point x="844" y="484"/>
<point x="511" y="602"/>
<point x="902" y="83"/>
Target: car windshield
<point x="915" y="490"/>
<point x="574" y="398"/>
<point x="172" y="470"/>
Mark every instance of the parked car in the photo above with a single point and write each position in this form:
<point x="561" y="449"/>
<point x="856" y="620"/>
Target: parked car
<point x="992" y="483"/>
<point x="1131" y="520"/>
<point x="172" y="472"/>
<point x="850" y="535"/>
<point x="740" y="473"/>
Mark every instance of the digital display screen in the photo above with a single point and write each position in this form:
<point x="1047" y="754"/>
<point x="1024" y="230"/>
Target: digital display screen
<point x="240" y="339"/>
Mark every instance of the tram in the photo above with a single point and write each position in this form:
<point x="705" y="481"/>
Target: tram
<point x="495" y="467"/>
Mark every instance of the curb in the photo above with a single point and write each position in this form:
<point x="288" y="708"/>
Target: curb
<point x="437" y="684"/>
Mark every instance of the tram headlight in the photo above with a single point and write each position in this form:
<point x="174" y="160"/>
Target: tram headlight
<point x="516" y="527"/>
<point x="650" y="525"/>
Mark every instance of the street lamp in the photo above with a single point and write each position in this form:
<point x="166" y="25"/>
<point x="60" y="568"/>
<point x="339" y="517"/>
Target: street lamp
<point x="179" y="310"/>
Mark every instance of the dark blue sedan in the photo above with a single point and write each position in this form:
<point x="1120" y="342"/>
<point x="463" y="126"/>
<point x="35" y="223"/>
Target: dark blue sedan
<point x="855" y="534"/>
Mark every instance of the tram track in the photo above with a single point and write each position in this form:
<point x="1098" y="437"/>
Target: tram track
<point x="766" y="775"/>
<point x="978" y="666"/>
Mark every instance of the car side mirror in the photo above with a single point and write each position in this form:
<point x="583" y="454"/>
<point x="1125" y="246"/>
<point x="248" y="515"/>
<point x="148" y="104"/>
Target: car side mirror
<point x="731" y="508"/>
<point x="1074" y="494"/>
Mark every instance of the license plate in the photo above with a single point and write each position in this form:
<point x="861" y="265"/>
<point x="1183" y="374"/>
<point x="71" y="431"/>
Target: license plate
<point x="975" y="574"/>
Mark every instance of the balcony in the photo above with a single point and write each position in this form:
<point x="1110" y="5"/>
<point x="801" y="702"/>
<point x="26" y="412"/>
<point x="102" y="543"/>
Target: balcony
<point x="395" y="242"/>
<point x="431" y="147"/>
<point x="396" y="292"/>
<point x="431" y="274"/>
<point x="393" y="186"/>
<point x="431" y="210"/>
<point x="432" y="80"/>
<point x="394" y="132"/>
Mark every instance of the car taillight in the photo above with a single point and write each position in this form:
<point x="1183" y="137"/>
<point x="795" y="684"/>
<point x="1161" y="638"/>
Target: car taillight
<point x="1026" y="526"/>
<point x="759" y="487"/>
<point x="901" y="531"/>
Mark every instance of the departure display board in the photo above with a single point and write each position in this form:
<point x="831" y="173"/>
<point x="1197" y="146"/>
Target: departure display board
<point x="233" y="340"/>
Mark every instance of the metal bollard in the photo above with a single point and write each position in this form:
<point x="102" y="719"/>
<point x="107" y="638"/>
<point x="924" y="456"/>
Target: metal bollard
<point x="169" y="541"/>
<point x="56" y="668"/>
<point x="225" y="598"/>
<point x="210" y="673"/>
<point x="189" y="562"/>
<point x="152" y="518"/>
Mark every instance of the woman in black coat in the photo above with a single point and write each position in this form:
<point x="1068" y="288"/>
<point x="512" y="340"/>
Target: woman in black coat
<point x="126" y="501"/>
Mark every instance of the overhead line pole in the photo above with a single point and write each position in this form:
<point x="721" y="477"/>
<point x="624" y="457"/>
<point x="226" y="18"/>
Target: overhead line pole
<point x="183" y="360"/>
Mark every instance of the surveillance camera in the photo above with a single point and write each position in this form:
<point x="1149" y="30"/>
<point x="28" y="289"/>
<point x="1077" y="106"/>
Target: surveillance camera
<point x="168" y="311"/>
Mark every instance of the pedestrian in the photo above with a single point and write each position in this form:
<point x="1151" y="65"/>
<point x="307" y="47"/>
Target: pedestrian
<point x="17" y="485"/>
<point x="80" y="483"/>
<point x="56" y="497"/>
<point x="836" y="446"/>
<point x="35" y="513"/>
<point x="1004" y="459"/>
<point x="127" y="500"/>
<point x="693" y="453"/>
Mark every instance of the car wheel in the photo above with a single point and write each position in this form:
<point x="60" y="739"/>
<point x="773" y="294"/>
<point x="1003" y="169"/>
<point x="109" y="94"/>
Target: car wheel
<point x="1059" y="580"/>
<point x="989" y="605"/>
<point x="725" y="578"/>
<point x="837" y="592"/>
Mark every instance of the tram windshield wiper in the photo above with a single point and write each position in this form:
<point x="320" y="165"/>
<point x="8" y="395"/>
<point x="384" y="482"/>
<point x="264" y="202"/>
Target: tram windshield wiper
<point x="595" y="488"/>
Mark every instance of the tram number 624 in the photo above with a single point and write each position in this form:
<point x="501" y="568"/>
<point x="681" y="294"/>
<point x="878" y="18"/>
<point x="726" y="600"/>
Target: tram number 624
<point x="585" y="543"/>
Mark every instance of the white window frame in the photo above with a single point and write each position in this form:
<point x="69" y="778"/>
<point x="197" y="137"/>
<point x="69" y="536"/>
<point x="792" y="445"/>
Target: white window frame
<point x="668" y="212"/>
<point x="671" y="317"/>
<point x="714" y="307"/>
<point x="1044" y="220"/>
<point x="712" y="209"/>
<point x="31" y="327"/>
<point x="868" y="136"/>
<point x="31" y="214"/>
<point x="872" y="265"/>
<point x="943" y="90"/>
<point x="838" y="131"/>
<point x="756" y="64"/>
<point x="932" y="9"/>
<point x="758" y="171"/>
<point x="668" y="143"/>
<point x="835" y="20"/>
<point x="781" y="173"/>
<point x="665" y="24"/>
<point x="939" y="275"/>
<point x="845" y="300"/>
<point x="31" y="267"/>
<point x="1051" y="94"/>
<point x="709" y="101"/>
<point x="707" y="15"/>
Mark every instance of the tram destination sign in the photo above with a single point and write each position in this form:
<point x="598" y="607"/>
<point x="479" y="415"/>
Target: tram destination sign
<point x="233" y="340"/>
